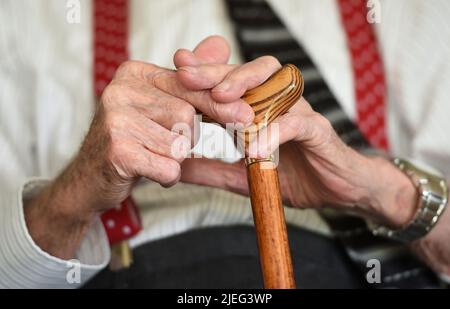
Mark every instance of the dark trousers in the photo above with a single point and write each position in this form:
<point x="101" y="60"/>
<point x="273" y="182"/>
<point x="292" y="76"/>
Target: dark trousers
<point x="227" y="257"/>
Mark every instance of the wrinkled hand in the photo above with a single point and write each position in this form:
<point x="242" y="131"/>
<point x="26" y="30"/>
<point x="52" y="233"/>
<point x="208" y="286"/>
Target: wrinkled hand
<point x="316" y="167"/>
<point x="131" y="135"/>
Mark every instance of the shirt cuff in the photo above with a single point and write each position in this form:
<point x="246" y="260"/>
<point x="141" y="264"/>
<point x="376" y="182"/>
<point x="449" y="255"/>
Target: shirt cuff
<point x="24" y="265"/>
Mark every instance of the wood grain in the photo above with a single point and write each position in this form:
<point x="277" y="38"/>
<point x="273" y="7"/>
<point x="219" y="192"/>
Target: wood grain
<point x="273" y="98"/>
<point x="269" y="101"/>
<point x="270" y="225"/>
<point x="276" y="96"/>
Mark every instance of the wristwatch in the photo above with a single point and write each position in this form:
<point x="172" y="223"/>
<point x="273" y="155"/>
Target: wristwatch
<point x="433" y="199"/>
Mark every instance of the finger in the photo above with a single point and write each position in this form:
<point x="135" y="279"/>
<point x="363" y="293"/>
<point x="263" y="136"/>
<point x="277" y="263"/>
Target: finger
<point x="245" y="77"/>
<point x="185" y="57"/>
<point x="216" y="174"/>
<point x="234" y="112"/>
<point x="166" y="110"/>
<point x="135" y="68"/>
<point x="166" y="172"/>
<point x="203" y="77"/>
<point x="214" y="49"/>
<point x="159" y="140"/>
<point x="298" y="124"/>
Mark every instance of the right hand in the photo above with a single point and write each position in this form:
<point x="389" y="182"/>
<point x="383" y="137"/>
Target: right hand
<point x="131" y="135"/>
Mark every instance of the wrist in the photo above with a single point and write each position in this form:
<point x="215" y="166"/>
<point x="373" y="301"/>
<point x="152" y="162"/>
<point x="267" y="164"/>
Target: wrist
<point x="53" y="228"/>
<point x="99" y="184"/>
<point x="92" y="185"/>
<point x="390" y="197"/>
<point x="59" y="217"/>
<point x="434" y="248"/>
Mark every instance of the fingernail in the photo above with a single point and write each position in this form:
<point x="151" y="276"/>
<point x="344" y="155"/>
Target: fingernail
<point x="190" y="70"/>
<point x="223" y="87"/>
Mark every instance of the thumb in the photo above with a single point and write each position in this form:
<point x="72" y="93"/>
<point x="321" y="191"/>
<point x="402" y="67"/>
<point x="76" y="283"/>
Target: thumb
<point x="216" y="174"/>
<point x="212" y="50"/>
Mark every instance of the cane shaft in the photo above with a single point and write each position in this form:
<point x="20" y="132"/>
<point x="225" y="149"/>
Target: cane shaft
<point x="270" y="224"/>
<point x="269" y="101"/>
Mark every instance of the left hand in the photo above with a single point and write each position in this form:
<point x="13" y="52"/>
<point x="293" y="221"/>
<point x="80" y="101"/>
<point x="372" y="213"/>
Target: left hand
<point x="316" y="167"/>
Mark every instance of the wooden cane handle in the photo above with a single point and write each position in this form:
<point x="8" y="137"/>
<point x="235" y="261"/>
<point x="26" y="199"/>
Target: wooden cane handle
<point x="270" y="100"/>
<point x="276" y="96"/>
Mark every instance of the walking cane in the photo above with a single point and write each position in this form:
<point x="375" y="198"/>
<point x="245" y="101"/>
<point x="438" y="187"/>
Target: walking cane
<point x="269" y="101"/>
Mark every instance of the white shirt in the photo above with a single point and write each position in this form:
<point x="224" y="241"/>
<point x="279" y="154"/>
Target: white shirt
<point x="46" y="104"/>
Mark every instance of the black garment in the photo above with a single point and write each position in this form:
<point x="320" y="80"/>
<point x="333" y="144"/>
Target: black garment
<point x="227" y="257"/>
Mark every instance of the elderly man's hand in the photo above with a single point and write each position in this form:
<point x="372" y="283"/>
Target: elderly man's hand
<point x="316" y="167"/>
<point x="130" y="137"/>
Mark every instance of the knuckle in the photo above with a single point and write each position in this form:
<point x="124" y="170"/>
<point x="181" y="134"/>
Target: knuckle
<point x="115" y="121"/>
<point x="128" y="66"/>
<point x="115" y="128"/>
<point x="296" y="125"/>
<point x="135" y="68"/>
<point x="115" y="91"/>
<point x="186" y="114"/>
<point x="158" y="76"/>
<point x="171" y="174"/>
<point x="322" y="121"/>
<point x="325" y="130"/>
<point x="117" y="153"/>
<point x="215" y="111"/>
<point x="125" y="68"/>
